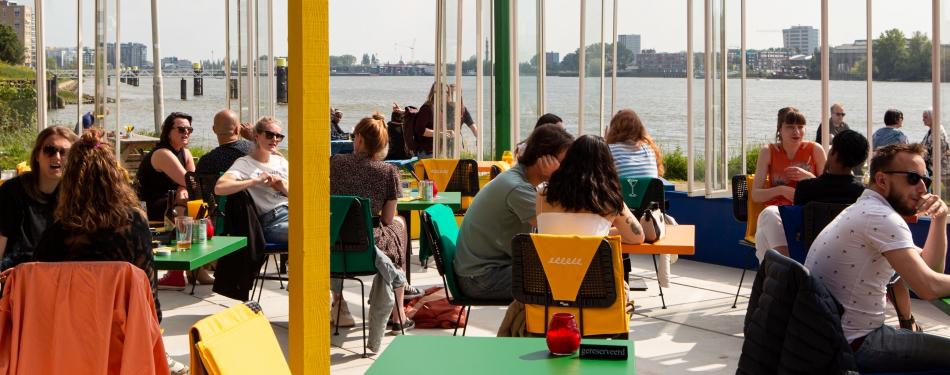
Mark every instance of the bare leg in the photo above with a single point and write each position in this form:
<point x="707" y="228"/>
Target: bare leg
<point x="399" y="313"/>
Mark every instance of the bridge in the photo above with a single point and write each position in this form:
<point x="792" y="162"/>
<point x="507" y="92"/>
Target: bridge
<point x="90" y="73"/>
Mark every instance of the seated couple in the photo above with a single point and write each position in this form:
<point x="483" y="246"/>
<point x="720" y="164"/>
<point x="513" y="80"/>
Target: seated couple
<point x="582" y="181"/>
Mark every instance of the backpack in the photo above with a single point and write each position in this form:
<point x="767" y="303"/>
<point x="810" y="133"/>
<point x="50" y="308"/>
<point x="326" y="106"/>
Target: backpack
<point x="409" y="130"/>
<point x="397" y="144"/>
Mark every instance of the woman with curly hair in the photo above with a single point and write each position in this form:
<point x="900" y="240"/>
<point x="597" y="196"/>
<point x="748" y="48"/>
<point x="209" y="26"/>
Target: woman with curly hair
<point x="29" y="200"/>
<point x="583" y="196"/>
<point x="98" y="217"/>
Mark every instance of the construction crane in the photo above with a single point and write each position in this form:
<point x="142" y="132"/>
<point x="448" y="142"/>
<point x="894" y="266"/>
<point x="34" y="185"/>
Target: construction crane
<point x="411" y="49"/>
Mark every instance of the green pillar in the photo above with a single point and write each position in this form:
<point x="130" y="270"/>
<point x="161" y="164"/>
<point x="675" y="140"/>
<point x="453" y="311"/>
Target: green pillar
<point x="503" y="78"/>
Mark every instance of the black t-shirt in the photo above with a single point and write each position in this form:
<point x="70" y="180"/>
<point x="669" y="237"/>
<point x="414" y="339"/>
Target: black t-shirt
<point x="131" y="242"/>
<point x="221" y="158"/>
<point x="830" y="188"/>
<point x="153" y="186"/>
<point x="23" y="220"/>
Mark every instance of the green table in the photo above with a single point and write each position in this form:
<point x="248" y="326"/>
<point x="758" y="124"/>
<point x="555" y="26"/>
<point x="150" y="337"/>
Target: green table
<point x="491" y="355"/>
<point x="448" y="198"/>
<point x="199" y="255"/>
<point x="943" y="304"/>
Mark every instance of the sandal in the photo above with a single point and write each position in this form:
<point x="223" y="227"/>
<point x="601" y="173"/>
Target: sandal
<point x="910" y="324"/>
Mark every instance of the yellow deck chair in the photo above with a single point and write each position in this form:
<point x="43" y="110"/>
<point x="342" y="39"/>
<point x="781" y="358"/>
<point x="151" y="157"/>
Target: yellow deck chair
<point x="238" y="340"/>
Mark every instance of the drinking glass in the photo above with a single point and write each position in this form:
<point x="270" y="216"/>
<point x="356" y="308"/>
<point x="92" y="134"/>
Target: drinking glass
<point x="183" y="227"/>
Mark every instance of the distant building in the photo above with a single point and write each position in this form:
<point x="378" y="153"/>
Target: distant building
<point x="843" y="57"/>
<point x="803" y="37"/>
<point x="64" y="56"/>
<point x="631" y="41"/>
<point x="771" y="60"/>
<point x="651" y="61"/>
<point x="21" y="19"/>
<point x="550" y="57"/>
<point x="88" y="56"/>
<point x="134" y="54"/>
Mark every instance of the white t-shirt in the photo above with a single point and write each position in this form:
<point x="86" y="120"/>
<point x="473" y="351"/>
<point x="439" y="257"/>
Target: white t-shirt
<point x="848" y="257"/>
<point x="566" y="223"/>
<point x="265" y="197"/>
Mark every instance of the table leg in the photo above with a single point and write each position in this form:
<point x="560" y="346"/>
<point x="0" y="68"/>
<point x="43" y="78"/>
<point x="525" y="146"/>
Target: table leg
<point x="408" y="216"/>
<point x="194" y="281"/>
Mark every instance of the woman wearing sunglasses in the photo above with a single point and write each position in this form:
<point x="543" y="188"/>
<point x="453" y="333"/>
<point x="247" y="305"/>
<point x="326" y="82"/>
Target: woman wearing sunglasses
<point x="264" y="175"/>
<point x="28" y="200"/>
<point x="163" y="169"/>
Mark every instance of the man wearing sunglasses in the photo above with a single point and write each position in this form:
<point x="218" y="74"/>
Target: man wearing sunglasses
<point x="837" y="123"/>
<point x="857" y="253"/>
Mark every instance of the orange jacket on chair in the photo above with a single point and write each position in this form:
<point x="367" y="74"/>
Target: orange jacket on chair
<point x="79" y="318"/>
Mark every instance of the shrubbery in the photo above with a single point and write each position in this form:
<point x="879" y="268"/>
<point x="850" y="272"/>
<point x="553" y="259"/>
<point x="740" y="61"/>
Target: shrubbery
<point x="676" y="162"/>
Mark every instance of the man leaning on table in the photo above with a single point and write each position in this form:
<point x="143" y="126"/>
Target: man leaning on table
<point x="504" y="208"/>
<point x="857" y="253"/>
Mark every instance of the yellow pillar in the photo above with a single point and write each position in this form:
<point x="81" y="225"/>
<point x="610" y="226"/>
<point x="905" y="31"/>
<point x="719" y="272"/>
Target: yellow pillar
<point x="309" y="101"/>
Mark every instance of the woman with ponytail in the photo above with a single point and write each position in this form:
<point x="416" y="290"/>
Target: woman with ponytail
<point x="364" y="174"/>
<point x="265" y="177"/>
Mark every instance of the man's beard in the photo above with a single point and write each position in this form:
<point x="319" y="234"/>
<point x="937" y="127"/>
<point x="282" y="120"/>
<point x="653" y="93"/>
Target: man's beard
<point x="894" y="199"/>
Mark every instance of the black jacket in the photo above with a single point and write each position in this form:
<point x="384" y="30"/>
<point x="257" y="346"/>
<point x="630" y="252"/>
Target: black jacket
<point x="235" y="272"/>
<point x="793" y="324"/>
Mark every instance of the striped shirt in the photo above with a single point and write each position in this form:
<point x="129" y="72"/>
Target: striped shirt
<point x="634" y="160"/>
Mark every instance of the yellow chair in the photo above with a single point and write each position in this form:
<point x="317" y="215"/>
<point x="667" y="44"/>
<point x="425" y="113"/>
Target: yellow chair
<point x="238" y="340"/>
<point x="22" y="167"/>
<point x="459" y="175"/>
<point x="589" y="282"/>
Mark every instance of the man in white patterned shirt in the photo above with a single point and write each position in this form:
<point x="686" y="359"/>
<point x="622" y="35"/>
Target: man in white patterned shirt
<point x="858" y="252"/>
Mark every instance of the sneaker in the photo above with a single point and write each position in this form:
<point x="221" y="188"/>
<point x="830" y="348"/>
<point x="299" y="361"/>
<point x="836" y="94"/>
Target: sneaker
<point x="173" y="280"/>
<point x="346" y="319"/>
<point x="175" y="367"/>
<point x="398" y="328"/>
<point x="411" y="292"/>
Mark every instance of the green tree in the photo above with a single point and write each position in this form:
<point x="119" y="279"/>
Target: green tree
<point x="51" y="63"/>
<point x="469" y="65"/>
<point x="12" y="50"/>
<point x="570" y="62"/>
<point x="365" y="59"/>
<point x="917" y="65"/>
<point x="814" y="68"/>
<point x="889" y="54"/>
<point x="860" y="68"/>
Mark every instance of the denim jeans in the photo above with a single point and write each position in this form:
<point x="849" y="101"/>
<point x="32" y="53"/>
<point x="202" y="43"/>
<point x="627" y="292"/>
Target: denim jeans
<point x="496" y="284"/>
<point x="275" y="229"/>
<point x="887" y="349"/>
<point x="381" y="297"/>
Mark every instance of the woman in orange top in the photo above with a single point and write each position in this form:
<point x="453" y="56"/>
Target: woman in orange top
<point x="784" y="162"/>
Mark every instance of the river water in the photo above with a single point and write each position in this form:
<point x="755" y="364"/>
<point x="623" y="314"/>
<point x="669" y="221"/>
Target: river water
<point x="660" y="102"/>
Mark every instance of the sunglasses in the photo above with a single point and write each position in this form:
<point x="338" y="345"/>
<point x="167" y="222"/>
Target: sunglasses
<point x="271" y="135"/>
<point x="185" y="129"/>
<point x="840" y="114"/>
<point x="913" y="178"/>
<point x="51" y="151"/>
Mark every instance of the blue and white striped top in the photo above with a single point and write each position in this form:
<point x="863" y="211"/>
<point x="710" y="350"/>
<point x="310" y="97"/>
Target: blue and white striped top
<point x="634" y="160"/>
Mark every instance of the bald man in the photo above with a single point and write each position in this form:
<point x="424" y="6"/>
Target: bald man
<point x="230" y="145"/>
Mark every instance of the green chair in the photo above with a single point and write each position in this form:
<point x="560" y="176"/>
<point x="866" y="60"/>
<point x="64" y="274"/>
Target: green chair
<point x="352" y="245"/>
<point x="441" y="231"/>
<point x="639" y="194"/>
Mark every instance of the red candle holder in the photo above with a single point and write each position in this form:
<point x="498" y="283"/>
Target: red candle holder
<point x="563" y="336"/>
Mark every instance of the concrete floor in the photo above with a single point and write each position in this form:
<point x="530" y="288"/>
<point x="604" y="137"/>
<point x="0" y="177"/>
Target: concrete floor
<point x="698" y="332"/>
